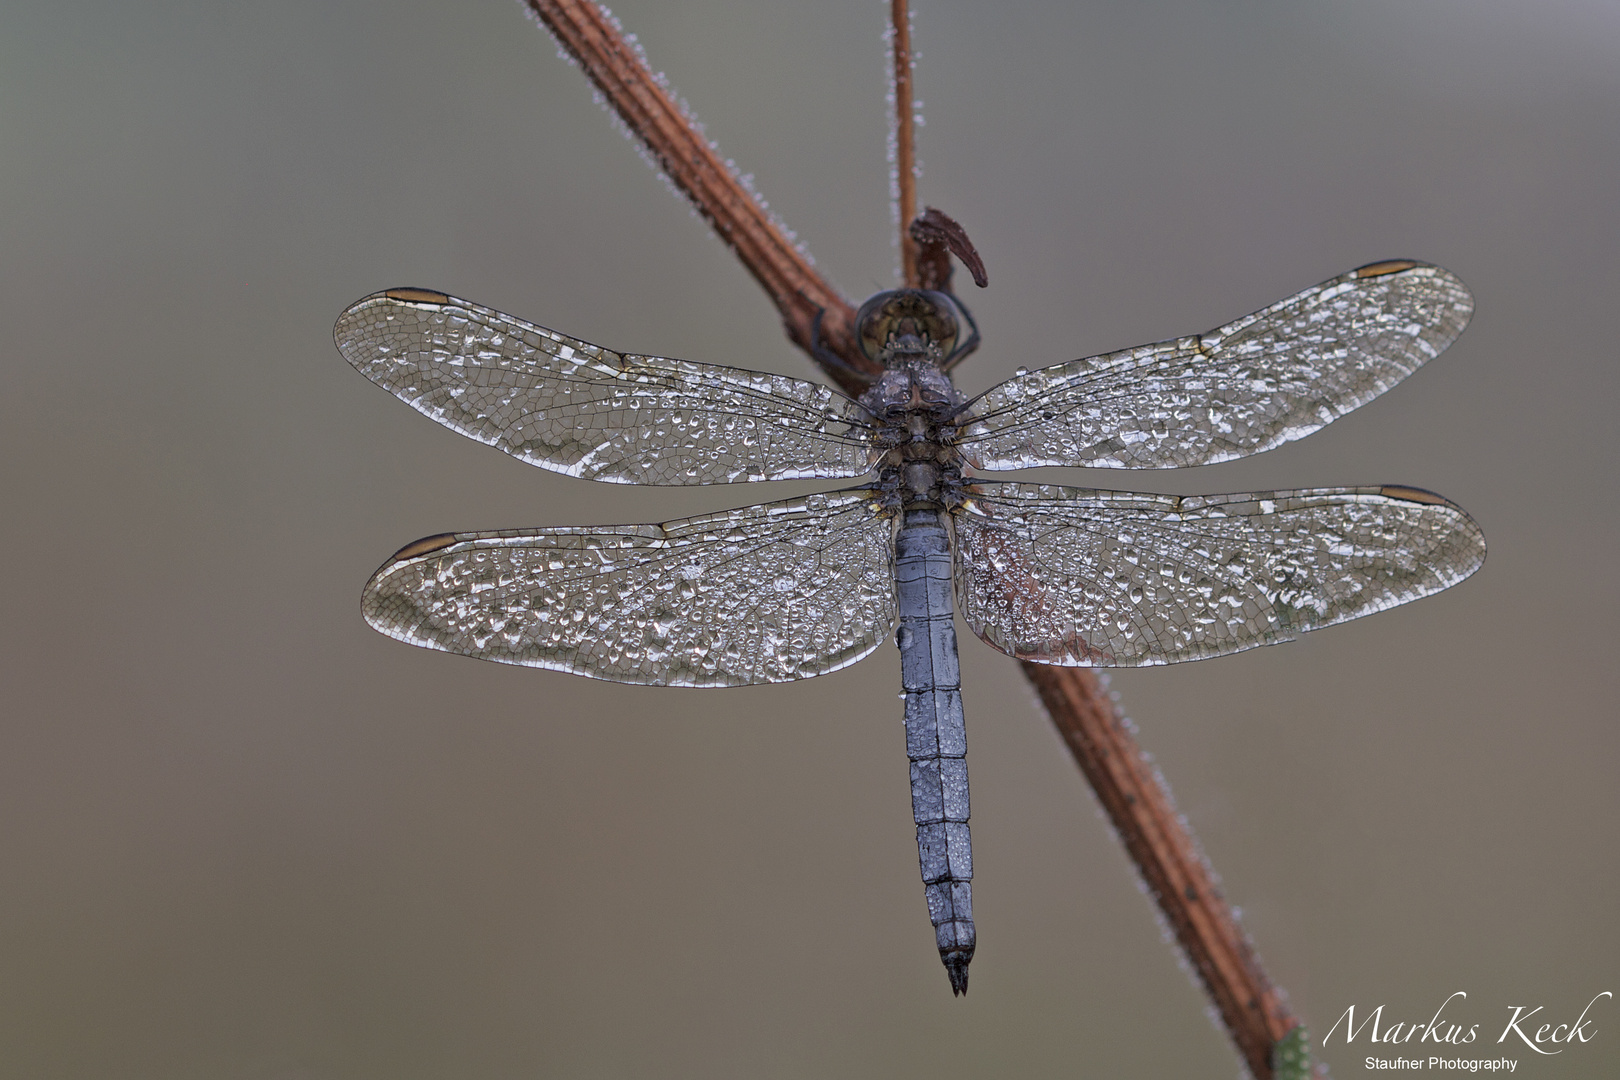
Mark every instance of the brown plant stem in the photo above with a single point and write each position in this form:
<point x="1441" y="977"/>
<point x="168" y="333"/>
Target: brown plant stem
<point x="800" y="294"/>
<point x="1161" y="845"/>
<point x="937" y="238"/>
<point x="905" y="138"/>
<point x="1155" y="837"/>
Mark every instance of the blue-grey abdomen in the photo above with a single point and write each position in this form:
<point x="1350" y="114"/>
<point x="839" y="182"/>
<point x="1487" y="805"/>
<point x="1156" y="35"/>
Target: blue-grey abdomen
<point x="936" y="734"/>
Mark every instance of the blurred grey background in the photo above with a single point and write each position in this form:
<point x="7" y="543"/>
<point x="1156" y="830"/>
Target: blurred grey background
<point x="246" y="837"/>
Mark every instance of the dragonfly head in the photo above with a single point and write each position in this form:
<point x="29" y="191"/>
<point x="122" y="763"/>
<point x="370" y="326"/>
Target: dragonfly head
<point x="908" y="326"/>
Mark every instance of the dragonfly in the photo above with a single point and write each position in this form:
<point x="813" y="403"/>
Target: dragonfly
<point x="789" y="590"/>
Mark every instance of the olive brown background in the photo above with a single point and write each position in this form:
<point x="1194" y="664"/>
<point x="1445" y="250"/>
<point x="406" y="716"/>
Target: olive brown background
<point x="243" y="836"/>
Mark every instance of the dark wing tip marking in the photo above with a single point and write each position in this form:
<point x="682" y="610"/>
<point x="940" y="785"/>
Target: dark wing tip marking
<point x="1377" y="269"/>
<point x="423" y="546"/>
<point x="418" y="296"/>
<point x="409" y="296"/>
<point x="1412" y="494"/>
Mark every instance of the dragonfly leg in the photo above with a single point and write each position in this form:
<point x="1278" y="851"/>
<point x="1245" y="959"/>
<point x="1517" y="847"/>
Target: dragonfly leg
<point x="961" y="352"/>
<point x="936" y="735"/>
<point x="826" y="357"/>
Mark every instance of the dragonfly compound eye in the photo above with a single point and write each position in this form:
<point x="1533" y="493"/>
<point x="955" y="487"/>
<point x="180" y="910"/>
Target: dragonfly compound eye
<point x="907" y="322"/>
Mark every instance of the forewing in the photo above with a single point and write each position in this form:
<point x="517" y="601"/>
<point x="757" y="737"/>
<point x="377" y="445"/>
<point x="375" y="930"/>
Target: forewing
<point x="1114" y="579"/>
<point x="1251" y="385"/>
<point x="576" y="408"/>
<point x="763" y="594"/>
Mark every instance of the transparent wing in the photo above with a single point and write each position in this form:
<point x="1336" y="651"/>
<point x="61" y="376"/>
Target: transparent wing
<point x="575" y="408"/>
<point x="1115" y="579"/>
<point x="1251" y="385"/>
<point x="763" y="594"/>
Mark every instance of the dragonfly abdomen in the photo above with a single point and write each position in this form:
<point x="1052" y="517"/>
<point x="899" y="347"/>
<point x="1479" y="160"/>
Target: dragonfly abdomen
<point x="936" y="734"/>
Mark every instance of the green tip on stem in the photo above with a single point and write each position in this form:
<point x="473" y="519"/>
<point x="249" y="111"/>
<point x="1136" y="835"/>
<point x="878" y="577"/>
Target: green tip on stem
<point x="1291" y="1057"/>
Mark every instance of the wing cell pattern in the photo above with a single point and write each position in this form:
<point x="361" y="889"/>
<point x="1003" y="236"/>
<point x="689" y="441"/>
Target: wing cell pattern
<point x="1080" y="577"/>
<point x="1251" y="385"/>
<point x="575" y="408"/>
<point x="767" y="593"/>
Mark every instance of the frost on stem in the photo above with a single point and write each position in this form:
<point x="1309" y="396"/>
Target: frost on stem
<point x="562" y="50"/>
<point x="892" y="142"/>
<point x="650" y="155"/>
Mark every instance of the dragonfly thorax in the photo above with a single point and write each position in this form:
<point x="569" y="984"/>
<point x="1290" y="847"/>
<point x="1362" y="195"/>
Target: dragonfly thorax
<point x="920" y="464"/>
<point x="912" y="388"/>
